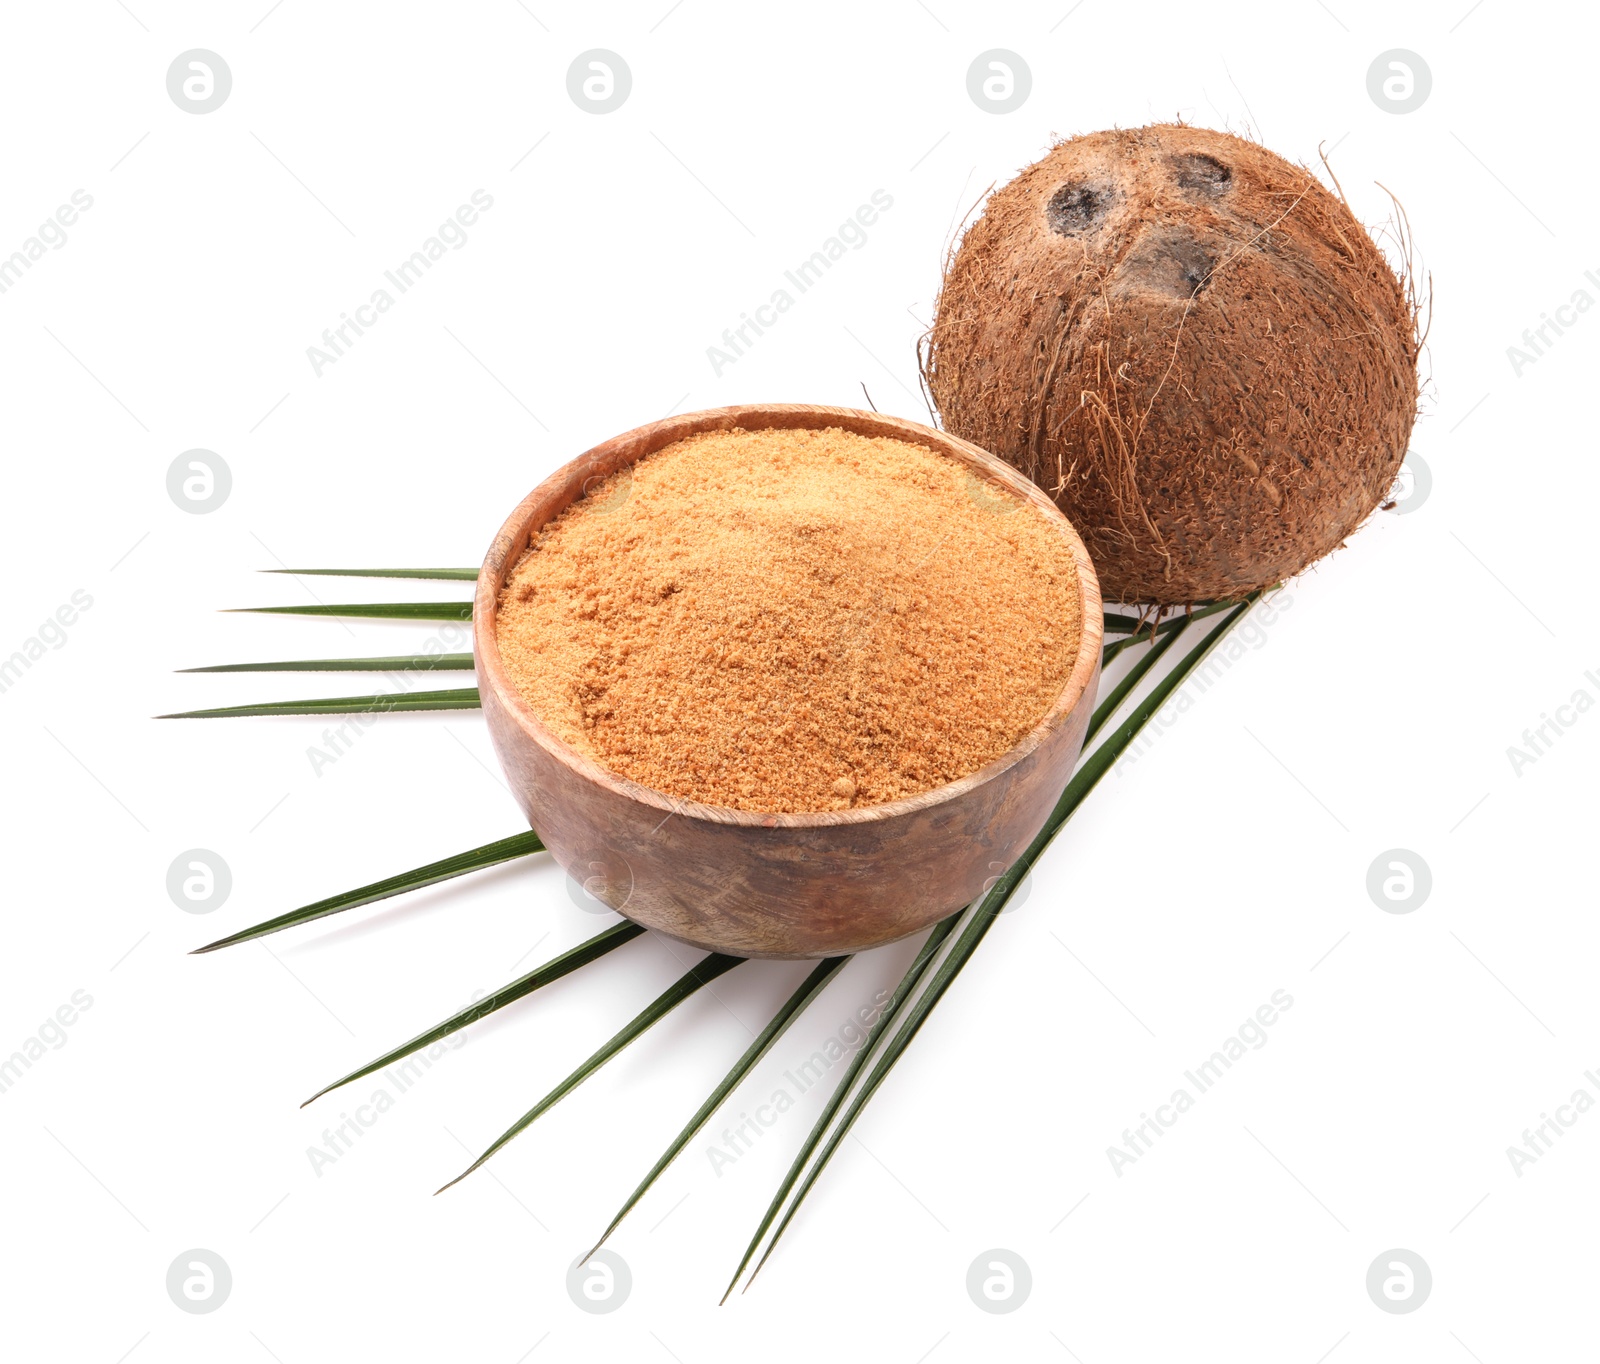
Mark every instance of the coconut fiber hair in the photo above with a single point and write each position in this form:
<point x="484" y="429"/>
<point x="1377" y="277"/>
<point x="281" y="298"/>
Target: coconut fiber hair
<point x="1192" y="345"/>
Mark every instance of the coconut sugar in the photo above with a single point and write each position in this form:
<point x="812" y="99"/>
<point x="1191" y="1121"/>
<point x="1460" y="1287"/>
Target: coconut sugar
<point x="793" y="620"/>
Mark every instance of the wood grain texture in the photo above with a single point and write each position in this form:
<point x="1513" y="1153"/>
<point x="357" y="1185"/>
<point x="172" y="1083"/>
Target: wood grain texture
<point x="776" y="885"/>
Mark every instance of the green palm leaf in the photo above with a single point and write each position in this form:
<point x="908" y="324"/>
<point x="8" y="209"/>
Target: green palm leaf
<point x="1167" y="628"/>
<point x="809" y="989"/>
<point x="965" y="945"/>
<point x="988" y="909"/>
<point x="474" y="859"/>
<point x="879" y="1029"/>
<point x="395" y="663"/>
<point x="701" y="974"/>
<point x="1120" y="625"/>
<point x="568" y="962"/>
<point x="371" y="610"/>
<point x="451" y="574"/>
<point x="1112" y="702"/>
<point x="458" y="698"/>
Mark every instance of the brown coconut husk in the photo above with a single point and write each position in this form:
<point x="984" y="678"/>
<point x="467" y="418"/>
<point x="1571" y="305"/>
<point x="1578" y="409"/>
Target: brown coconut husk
<point x="1192" y="345"/>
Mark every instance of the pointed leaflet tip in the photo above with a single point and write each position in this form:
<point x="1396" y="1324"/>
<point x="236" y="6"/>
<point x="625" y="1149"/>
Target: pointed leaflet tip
<point x="702" y="973"/>
<point x="983" y="915"/>
<point x="445" y="574"/>
<point x="875" y="1035"/>
<point x="373" y="610"/>
<point x="569" y="961"/>
<point x="454" y="1181"/>
<point x="809" y="988"/>
<point x="382" y="664"/>
<point x="474" y="859"/>
<point x="379" y="703"/>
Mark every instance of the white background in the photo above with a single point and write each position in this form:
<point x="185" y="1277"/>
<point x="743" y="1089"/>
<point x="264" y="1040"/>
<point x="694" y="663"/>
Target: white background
<point x="1228" y="862"/>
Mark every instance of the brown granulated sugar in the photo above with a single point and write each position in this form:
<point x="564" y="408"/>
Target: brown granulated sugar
<point x="793" y="620"/>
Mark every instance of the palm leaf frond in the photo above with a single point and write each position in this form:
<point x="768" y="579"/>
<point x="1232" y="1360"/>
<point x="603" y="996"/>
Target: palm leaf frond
<point x="875" y="1034"/>
<point x="369" y="610"/>
<point x="564" y="965"/>
<point x="1165" y="628"/>
<point x="448" y="574"/>
<point x="988" y="909"/>
<point x="474" y="859"/>
<point x="456" y="698"/>
<point x="1113" y="699"/>
<point x="701" y="974"/>
<point x="809" y="989"/>
<point x="394" y="663"/>
<point x="1143" y="619"/>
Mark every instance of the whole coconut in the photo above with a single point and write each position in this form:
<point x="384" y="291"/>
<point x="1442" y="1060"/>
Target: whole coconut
<point x="1192" y="345"/>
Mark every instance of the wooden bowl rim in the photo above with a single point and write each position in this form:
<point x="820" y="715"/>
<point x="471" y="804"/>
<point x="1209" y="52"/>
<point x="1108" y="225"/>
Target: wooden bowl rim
<point x="565" y="486"/>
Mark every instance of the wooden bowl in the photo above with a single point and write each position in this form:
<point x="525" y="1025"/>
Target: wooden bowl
<point x="776" y="885"/>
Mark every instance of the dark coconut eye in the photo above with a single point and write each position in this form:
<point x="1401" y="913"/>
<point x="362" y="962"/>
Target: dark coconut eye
<point x="1203" y="173"/>
<point x="1076" y="208"/>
